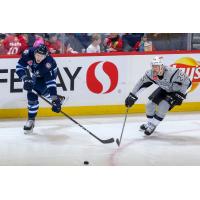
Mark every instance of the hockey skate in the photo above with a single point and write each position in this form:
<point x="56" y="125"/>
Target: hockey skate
<point x="143" y="127"/>
<point x="150" y="129"/>
<point x="28" y="128"/>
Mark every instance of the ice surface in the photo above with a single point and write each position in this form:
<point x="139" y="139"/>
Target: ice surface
<point x="61" y="142"/>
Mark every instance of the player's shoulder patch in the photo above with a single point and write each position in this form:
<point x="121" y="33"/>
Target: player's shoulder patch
<point x="48" y="65"/>
<point x="51" y="60"/>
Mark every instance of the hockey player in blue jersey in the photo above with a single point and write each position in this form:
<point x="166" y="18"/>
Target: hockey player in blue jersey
<point x="43" y="69"/>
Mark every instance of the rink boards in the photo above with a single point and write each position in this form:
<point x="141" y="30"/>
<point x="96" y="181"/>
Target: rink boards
<point x="97" y="83"/>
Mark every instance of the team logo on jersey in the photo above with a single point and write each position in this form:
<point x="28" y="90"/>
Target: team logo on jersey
<point x="37" y="73"/>
<point x="102" y="77"/>
<point x="30" y="62"/>
<point x="48" y="65"/>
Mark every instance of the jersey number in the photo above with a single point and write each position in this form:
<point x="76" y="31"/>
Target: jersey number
<point x="13" y="50"/>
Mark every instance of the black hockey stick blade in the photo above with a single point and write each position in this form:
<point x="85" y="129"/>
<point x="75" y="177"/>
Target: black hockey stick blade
<point x="111" y="140"/>
<point x="118" y="142"/>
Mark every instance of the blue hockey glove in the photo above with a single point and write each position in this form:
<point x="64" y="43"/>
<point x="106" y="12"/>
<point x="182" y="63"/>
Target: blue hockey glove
<point x="28" y="83"/>
<point x="56" y="104"/>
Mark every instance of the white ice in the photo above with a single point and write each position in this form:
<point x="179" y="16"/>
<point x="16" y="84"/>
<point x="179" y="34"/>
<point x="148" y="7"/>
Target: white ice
<point x="61" y="142"/>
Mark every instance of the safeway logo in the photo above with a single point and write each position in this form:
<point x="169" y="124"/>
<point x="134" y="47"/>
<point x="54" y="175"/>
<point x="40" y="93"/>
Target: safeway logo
<point x="102" y="77"/>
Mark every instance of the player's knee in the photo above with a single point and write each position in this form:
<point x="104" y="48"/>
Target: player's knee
<point x="165" y="105"/>
<point x="32" y="98"/>
<point x="150" y="108"/>
<point x="150" y="105"/>
<point x="163" y="108"/>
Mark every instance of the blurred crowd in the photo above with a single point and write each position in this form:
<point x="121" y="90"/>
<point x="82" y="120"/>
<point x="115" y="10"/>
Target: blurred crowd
<point x="16" y="43"/>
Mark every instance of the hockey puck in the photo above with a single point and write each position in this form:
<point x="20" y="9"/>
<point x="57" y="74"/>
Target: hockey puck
<point x="86" y="163"/>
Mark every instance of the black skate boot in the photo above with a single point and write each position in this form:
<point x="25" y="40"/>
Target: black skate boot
<point x="150" y="129"/>
<point x="143" y="127"/>
<point x="28" y="128"/>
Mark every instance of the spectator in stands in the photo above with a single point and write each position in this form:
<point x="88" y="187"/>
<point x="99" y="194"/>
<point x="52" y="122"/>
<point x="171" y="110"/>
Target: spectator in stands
<point x="31" y="39"/>
<point x="67" y="47"/>
<point x="15" y="43"/>
<point x="54" y="44"/>
<point x="75" y="44"/>
<point x="26" y="38"/>
<point x="2" y="50"/>
<point x="169" y="41"/>
<point x="84" y="39"/>
<point x="94" y="47"/>
<point x="130" y="39"/>
<point x="39" y="39"/>
<point x="2" y="37"/>
<point x="113" y="43"/>
<point x="143" y="45"/>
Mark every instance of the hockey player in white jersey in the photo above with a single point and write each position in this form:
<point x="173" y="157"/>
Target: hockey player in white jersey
<point x="173" y="85"/>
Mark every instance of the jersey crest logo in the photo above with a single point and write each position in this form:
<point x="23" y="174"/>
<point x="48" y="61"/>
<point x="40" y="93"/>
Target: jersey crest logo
<point x="48" y="65"/>
<point x="37" y="73"/>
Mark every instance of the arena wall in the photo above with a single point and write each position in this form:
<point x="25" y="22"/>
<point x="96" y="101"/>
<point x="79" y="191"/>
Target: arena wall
<point x="97" y="83"/>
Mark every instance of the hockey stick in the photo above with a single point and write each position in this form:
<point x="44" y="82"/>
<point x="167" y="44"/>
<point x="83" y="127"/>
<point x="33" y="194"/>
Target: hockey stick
<point x="118" y="141"/>
<point x="107" y="141"/>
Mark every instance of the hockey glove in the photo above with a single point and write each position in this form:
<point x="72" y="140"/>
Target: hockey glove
<point x="175" y="98"/>
<point x="56" y="104"/>
<point x="178" y="97"/>
<point x="28" y="83"/>
<point x="130" y="100"/>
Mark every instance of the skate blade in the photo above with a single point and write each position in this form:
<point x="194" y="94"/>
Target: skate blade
<point x="28" y="132"/>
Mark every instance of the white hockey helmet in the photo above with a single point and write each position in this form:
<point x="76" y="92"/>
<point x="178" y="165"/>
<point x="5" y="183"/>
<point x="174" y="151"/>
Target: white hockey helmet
<point x="157" y="61"/>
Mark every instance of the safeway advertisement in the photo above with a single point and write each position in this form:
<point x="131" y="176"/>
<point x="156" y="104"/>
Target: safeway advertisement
<point x="98" y="80"/>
